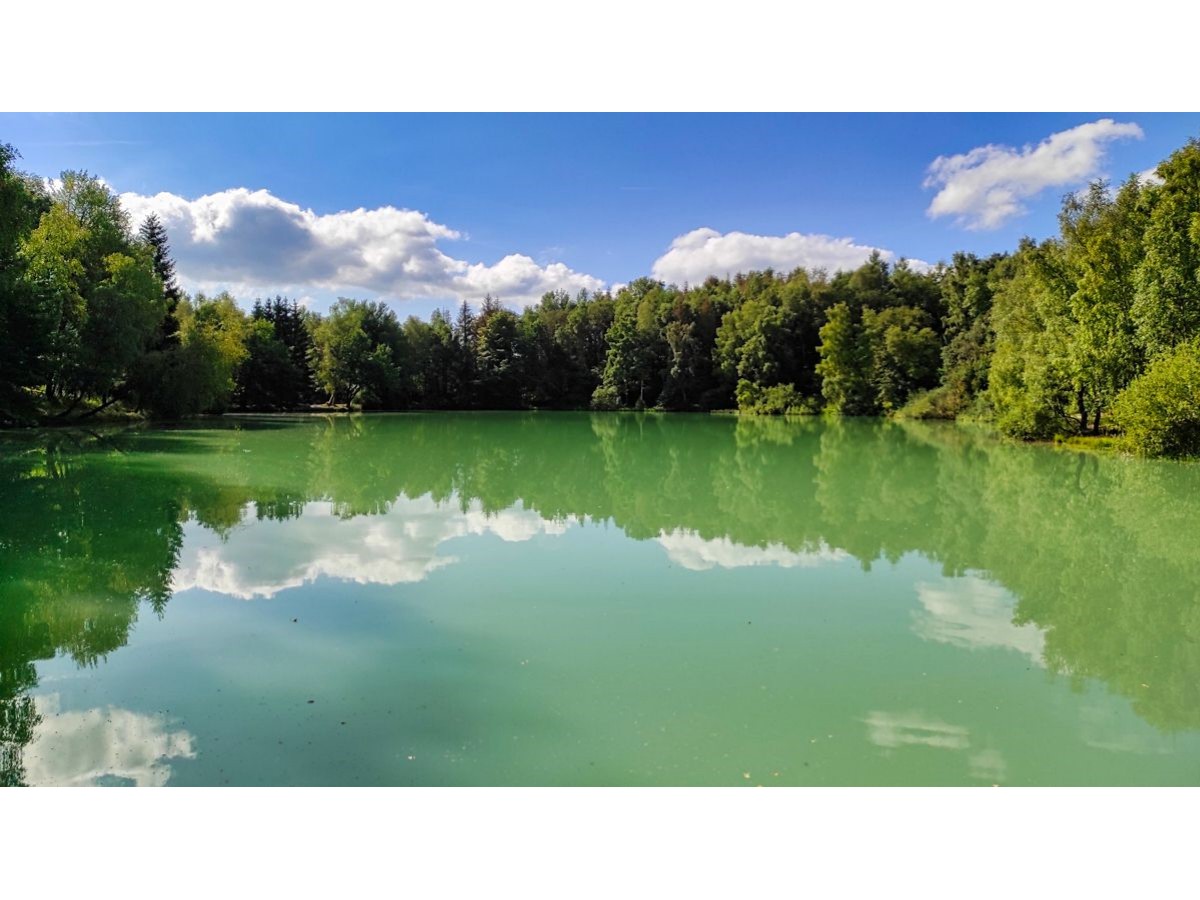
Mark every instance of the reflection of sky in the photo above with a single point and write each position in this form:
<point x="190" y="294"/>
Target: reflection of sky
<point x="906" y="729"/>
<point x="688" y="549"/>
<point x="102" y="746"/>
<point x="971" y="612"/>
<point x="894" y="730"/>
<point x="263" y="557"/>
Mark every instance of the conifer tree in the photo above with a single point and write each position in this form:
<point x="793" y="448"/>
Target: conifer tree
<point x="155" y="235"/>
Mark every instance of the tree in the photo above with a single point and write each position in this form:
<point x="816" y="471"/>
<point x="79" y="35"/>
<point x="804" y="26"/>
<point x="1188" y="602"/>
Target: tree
<point x="277" y="374"/>
<point x="844" y="368"/>
<point x="1166" y="308"/>
<point x="498" y="358"/>
<point x="267" y="378"/>
<point x="1029" y="383"/>
<point x="199" y="374"/>
<point x="1065" y="336"/>
<point x="904" y="351"/>
<point x="154" y="234"/>
<point x="465" y="337"/>
<point x="358" y="350"/>
<point x="683" y="352"/>
<point x="431" y="345"/>
<point x="24" y="323"/>
<point x="1102" y="247"/>
<point x="967" y="287"/>
<point x="123" y="313"/>
<point x="1159" y="412"/>
<point x="98" y="295"/>
<point x="633" y="362"/>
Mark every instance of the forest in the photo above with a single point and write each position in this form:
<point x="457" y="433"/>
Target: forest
<point x="1092" y="332"/>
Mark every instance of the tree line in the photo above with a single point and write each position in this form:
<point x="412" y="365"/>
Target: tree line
<point x="1095" y="330"/>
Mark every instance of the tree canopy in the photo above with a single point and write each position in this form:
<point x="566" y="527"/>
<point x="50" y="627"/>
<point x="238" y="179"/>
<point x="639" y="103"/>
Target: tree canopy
<point x="1043" y="341"/>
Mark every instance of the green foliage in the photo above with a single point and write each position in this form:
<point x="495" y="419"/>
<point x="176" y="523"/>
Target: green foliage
<point x="198" y="375"/>
<point x="1065" y="340"/>
<point x="267" y="378"/>
<point x="52" y="255"/>
<point x="968" y="285"/>
<point x="904" y="353"/>
<point x="941" y="402"/>
<point x="498" y="359"/>
<point x="24" y="327"/>
<point x="358" y="350"/>
<point x="632" y="371"/>
<point x="431" y="345"/>
<point x="1028" y="381"/>
<point x="92" y="288"/>
<point x="1043" y="340"/>
<point x="154" y="235"/>
<point x="776" y="400"/>
<point x="123" y="312"/>
<point x="1159" y="412"/>
<point x="605" y="398"/>
<point x="275" y="374"/>
<point x="845" y="366"/>
<point x="1167" y="305"/>
<point x="1101" y="241"/>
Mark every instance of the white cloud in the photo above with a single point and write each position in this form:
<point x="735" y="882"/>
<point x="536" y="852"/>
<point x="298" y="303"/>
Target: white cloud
<point x="988" y="765"/>
<point x="400" y="547"/>
<point x="688" y="549"/>
<point x="102" y="745"/>
<point x="914" y="729"/>
<point x="984" y="187"/>
<point x="694" y="256"/>
<point x="970" y="612"/>
<point x="253" y="242"/>
<point x="1150" y="176"/>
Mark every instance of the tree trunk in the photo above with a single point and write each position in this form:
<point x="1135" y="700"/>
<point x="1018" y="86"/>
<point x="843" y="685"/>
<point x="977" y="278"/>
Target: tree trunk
<point x="1083" y="416"/>
<point x="104" y="405"/>
<point x="1096" y="422"/>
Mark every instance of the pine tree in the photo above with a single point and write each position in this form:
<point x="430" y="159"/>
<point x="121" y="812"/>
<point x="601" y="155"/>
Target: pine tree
<point x="155" y="235"/>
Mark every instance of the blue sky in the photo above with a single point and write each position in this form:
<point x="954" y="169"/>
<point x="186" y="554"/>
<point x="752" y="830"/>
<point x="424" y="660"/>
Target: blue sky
<point x="456" y="205"/>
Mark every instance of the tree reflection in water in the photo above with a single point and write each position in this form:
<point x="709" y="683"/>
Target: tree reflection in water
<point x="1101" y="554"/>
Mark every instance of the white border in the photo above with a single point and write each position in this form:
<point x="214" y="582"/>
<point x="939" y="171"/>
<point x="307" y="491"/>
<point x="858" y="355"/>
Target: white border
<point x="636" y="55"/>
<point x="619" y="55"/>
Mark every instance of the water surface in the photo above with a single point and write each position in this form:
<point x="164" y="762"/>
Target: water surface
<point x="592" y="599"/>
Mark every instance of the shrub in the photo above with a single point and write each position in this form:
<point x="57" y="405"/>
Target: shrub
<point x="776" y="400"/>
<point x="1159" y="412"/>
<point x="605" y="397"/>
<point x="940" y="403"/>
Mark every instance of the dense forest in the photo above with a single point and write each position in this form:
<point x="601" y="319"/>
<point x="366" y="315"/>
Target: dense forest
<point x="1093" y="331"/>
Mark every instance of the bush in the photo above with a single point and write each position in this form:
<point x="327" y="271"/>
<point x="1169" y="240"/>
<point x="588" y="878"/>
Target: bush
<point x="606" y="398"/>
<point x="1159" y="412"/>
<point x="776" y="400"/>
<point x="940" y="403"/>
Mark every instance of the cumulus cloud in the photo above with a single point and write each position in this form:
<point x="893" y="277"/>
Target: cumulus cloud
<point x="688" y="549"/>
<point x="985" y="187"/>
<point x="1150" y="176"/>
<point x="401" y="547"/>
<point x="914" y="729"/>
<point x="253" y="240"/>
<point x="104" y="745"/>
<point x="694" y="256"/>
<point x="972" y="613"/>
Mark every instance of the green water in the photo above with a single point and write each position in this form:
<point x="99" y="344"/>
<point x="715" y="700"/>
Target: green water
<point x="601" y="599"/>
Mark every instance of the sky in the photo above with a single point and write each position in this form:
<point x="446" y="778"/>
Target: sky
<point x="425" y="211"/>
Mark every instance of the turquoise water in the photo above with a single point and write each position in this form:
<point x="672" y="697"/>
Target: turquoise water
<point x="570" y="598"/>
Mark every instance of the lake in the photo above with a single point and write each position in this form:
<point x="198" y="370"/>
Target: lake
<point x="592" y="599"/>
